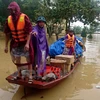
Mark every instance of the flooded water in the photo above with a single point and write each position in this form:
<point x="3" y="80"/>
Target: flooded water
<point x="81" y="85"/>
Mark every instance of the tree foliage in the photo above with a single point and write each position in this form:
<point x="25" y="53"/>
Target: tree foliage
<point x="77" y="29"/>
<point x="55" y="11"/>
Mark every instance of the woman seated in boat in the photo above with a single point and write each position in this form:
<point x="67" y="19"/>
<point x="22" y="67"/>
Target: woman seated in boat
<point x="40" y="46"/>
<point x="69" y="43"/>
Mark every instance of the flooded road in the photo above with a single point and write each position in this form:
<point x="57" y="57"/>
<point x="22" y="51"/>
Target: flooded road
<point x="81" y="85"/>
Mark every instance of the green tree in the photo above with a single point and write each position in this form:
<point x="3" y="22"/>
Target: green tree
<point x="55" y="11"/>
<point x="71" y="10"/>
<point x="77" y="29"/>
<point x="92" y="29"/>
<point x="85" y="31"/>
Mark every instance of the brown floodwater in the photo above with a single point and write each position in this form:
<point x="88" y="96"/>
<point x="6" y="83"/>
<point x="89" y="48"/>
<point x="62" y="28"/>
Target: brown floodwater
<point x="81" y="85"/>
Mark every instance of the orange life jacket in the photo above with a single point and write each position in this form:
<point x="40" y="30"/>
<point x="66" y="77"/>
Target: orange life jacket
<point x="70" y="41"/>
<point x="18" y="33"/>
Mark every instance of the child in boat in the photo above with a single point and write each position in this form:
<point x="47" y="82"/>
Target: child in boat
<point x="19" y="27"/>
<point x="69" y="43"/>
<point x="40" y="45"/>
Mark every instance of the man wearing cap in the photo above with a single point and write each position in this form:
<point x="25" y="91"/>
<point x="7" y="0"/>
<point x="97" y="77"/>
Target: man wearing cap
<point x="40" y="45"/>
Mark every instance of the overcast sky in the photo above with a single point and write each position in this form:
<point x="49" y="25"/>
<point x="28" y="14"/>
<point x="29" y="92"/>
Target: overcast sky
<point x="78" y="23"/>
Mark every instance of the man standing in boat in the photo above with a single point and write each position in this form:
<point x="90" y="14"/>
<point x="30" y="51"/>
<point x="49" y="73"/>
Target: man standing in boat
<point x="40" y="45"/>
<point x="69" y="43"/>
<point x="18" y="27"/>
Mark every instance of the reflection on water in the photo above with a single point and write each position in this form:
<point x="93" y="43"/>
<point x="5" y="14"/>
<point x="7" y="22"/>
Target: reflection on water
<point x="78" y="86"/>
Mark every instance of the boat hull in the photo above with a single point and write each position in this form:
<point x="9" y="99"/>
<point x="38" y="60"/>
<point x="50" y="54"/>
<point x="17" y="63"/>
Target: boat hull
<point x="40" y="84"/>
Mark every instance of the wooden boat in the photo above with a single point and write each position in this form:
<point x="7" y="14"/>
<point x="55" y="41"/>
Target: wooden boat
<point x="42" y="84"/>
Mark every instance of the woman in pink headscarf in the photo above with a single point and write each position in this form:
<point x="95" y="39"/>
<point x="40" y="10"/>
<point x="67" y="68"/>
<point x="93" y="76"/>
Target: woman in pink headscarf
<point x="19" y="27"/>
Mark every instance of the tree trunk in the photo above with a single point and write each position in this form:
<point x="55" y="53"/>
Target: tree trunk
<point x="56" y="36"/>
<point x="69" y="25"/>
<point x="49" y="30"/>
<point x="66" y="25"/>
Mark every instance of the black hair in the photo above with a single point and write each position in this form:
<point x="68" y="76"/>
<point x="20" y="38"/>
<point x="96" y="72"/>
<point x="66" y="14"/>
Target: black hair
<point x="70" y="31"/>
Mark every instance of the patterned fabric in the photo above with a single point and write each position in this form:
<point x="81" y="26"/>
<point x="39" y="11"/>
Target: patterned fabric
<point x="20" y="56"/>
<point x="18" y="52"/>
<point x="66" y="51"/>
